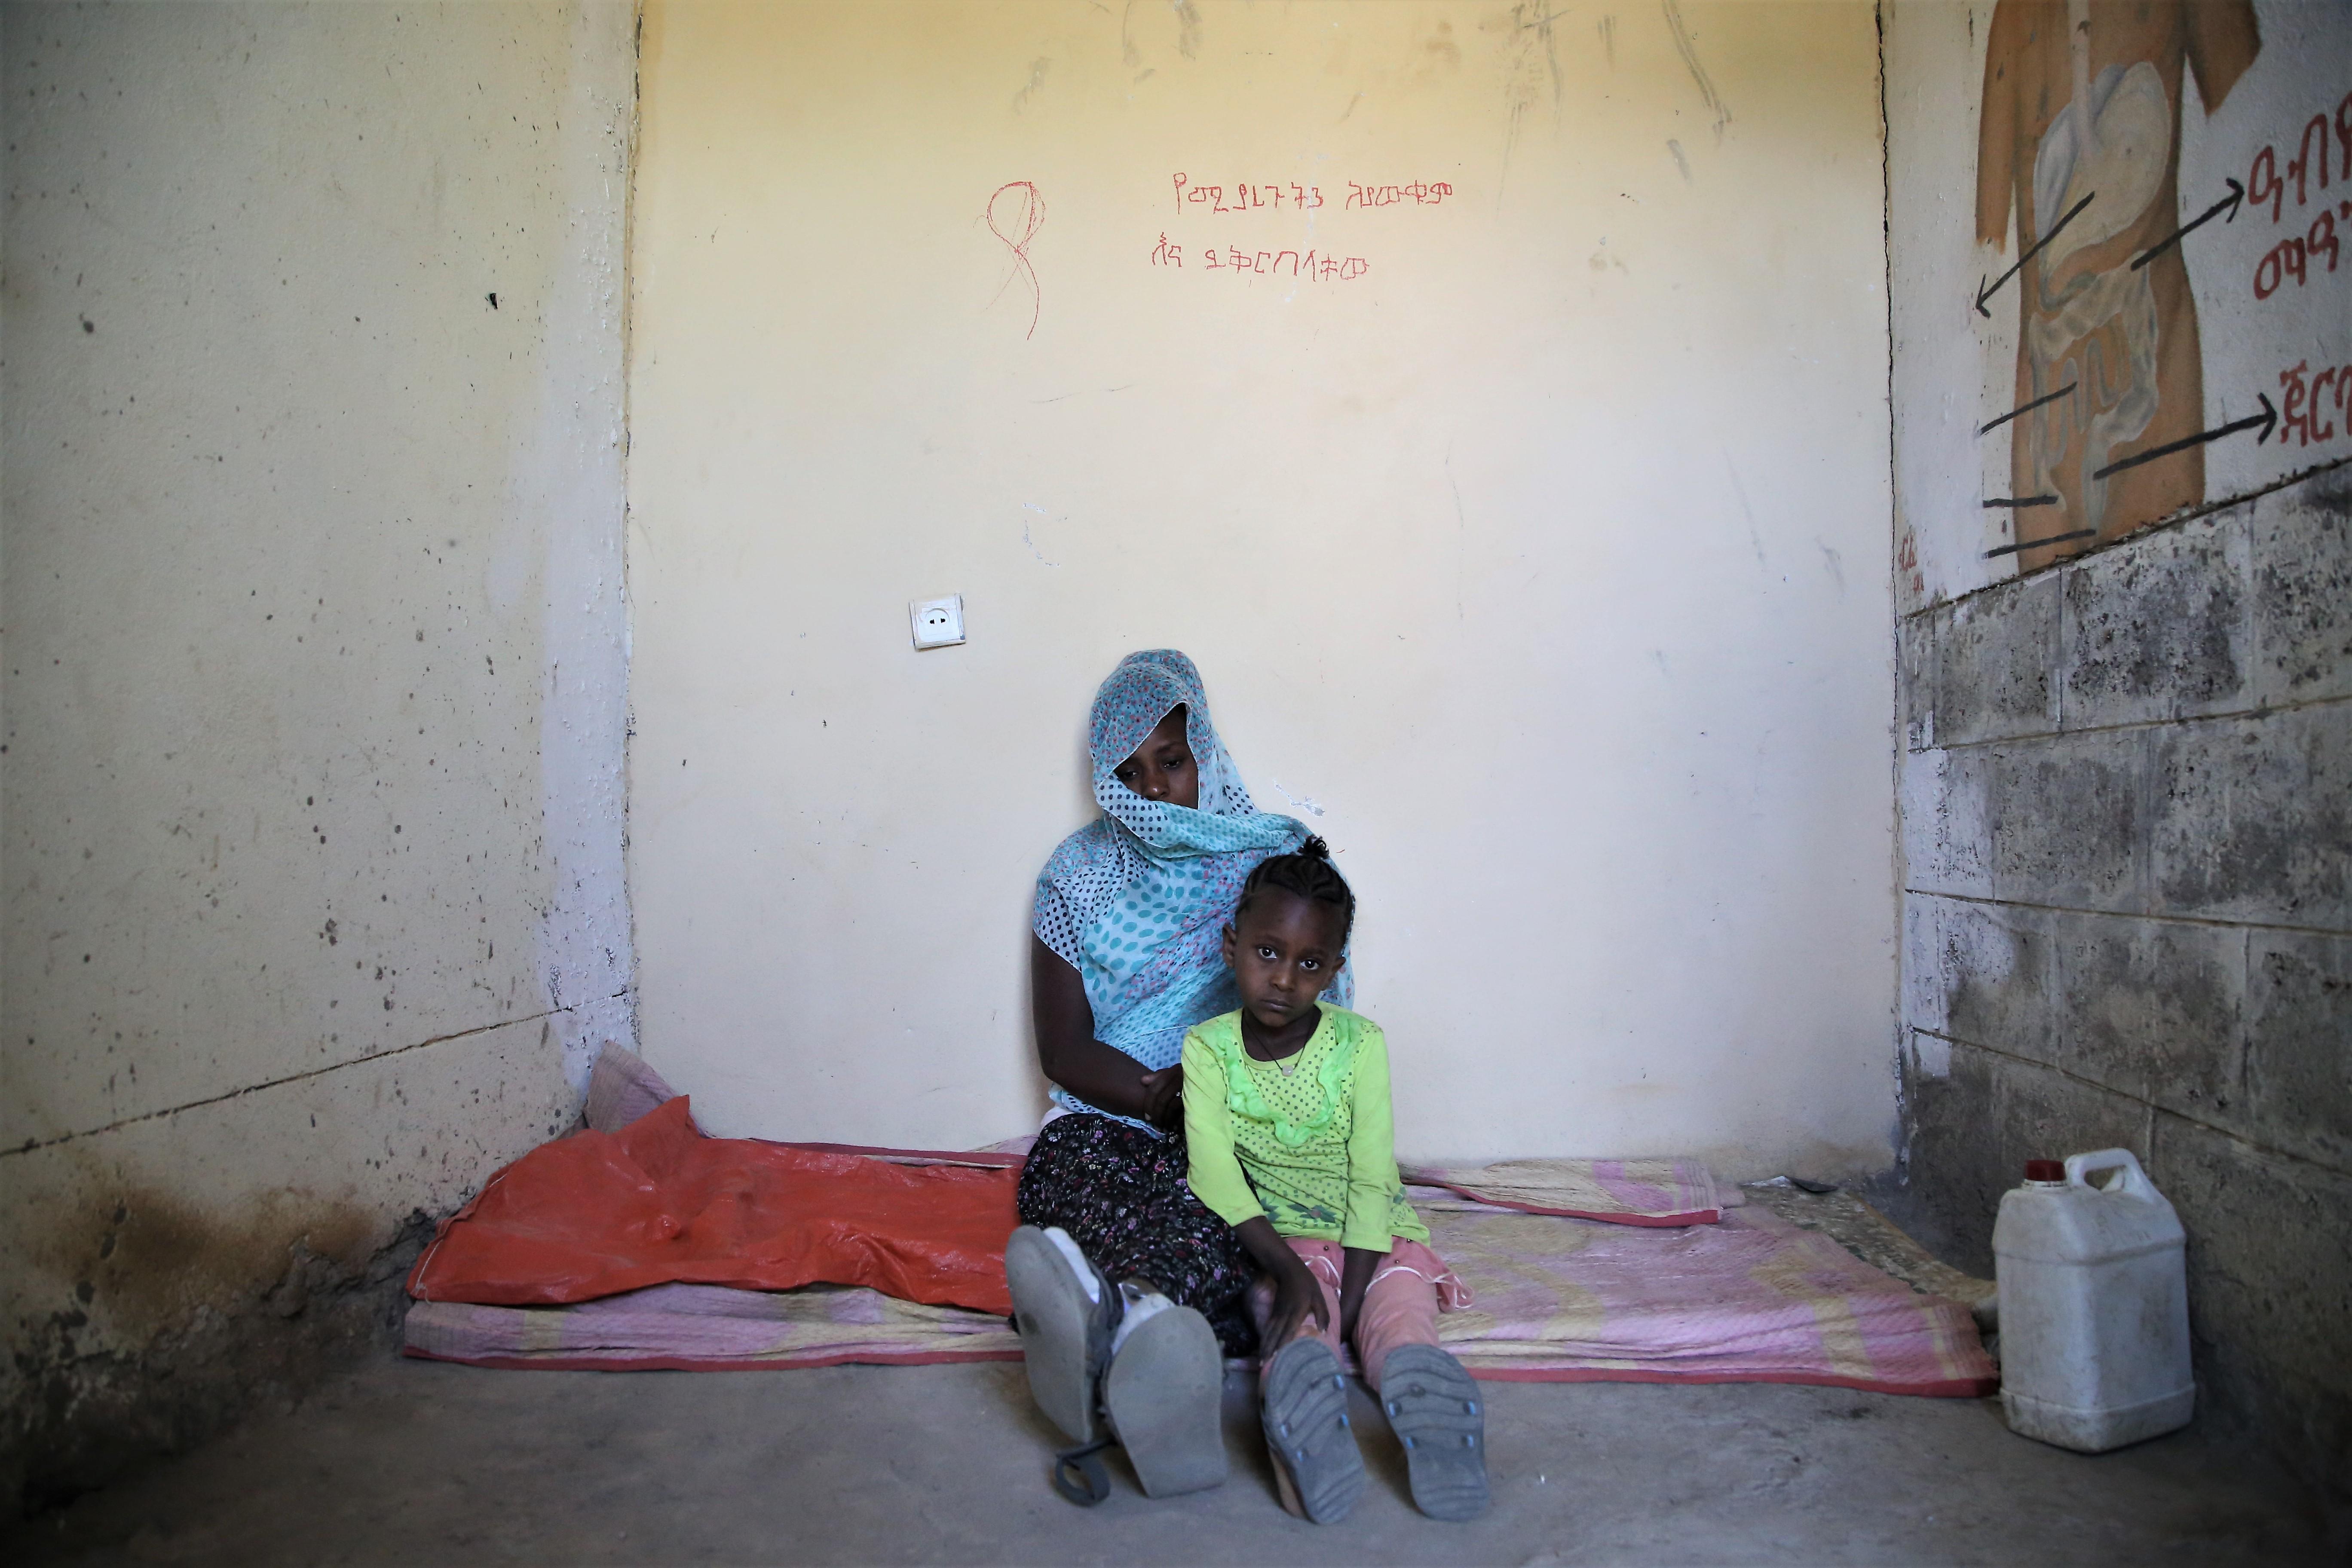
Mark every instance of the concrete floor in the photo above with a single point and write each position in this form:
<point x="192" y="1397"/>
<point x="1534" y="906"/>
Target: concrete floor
<point x="410" y="1462"/>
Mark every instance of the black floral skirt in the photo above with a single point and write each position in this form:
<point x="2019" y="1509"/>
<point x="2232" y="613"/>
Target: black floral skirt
<point x="1120" y="1193"/>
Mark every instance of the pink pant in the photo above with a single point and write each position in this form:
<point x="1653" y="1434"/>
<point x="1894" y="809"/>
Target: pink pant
<point x="1400" y="1307"/>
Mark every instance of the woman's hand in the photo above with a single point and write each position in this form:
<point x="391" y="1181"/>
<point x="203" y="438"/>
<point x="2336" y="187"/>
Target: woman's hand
<point x="1163" y="1097"/>
<point x="1069" y="1053"/>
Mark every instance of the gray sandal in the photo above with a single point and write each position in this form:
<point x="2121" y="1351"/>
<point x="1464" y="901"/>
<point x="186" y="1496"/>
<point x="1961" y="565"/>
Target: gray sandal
<point x="1304" y="1407"/>
<point x="1436" y="1411"/>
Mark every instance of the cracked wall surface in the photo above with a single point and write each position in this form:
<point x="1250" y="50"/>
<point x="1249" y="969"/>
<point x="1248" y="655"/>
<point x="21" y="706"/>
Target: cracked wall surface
<point x="314" y="699"/>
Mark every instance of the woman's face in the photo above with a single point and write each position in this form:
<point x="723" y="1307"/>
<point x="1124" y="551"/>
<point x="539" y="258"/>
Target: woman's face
<point x="1162" y="767"/>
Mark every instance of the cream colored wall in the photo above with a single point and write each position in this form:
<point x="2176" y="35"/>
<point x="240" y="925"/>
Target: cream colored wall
<point x="1549" y="557"/>
<point x="314" y="698"/>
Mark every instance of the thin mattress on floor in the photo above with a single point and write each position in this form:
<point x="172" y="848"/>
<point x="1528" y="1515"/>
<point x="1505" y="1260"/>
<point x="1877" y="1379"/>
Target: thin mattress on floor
<point x="1556" y="1298"/>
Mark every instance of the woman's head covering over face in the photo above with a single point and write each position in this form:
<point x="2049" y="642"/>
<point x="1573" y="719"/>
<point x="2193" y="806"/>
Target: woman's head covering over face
<point x="1136" y="902"/>
<point x="1145" y="689"/>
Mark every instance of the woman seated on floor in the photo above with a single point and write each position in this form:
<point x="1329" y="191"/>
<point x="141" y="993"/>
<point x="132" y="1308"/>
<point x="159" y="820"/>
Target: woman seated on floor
<point x="1127" y="955"/>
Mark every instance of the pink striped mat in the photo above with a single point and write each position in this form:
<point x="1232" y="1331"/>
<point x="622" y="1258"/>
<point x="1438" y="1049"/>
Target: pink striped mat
<point x="1623" y="1191"/>
<point x="1751" y="1298"/>
<point x="1555" y="1299"/>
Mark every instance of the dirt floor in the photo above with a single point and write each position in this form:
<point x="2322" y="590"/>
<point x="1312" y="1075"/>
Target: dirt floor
<point x="410" y="1462"/>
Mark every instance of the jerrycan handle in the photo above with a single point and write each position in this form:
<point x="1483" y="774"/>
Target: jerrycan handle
<point x="2135" y="1182"/>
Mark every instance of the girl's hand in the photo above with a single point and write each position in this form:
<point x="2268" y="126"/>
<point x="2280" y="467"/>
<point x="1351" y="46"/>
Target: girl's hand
<point x="1297" y="1299"/>
<point x="1163" y="1092"/>
<point x="1297" y="1294"/>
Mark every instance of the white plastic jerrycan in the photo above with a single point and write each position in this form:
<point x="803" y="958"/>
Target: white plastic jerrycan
<point x="2093" y="1305"/>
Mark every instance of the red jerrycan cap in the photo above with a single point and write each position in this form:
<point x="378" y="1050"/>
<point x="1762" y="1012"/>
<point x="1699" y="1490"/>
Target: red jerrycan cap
<point x="2045" y="1170"/>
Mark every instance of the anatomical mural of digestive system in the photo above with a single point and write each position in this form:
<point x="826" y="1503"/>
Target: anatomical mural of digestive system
<point x="2081" y="135"/>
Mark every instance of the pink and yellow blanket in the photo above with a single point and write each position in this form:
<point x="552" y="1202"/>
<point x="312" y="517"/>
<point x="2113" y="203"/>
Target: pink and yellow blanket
<point x="1578" y="1270"/>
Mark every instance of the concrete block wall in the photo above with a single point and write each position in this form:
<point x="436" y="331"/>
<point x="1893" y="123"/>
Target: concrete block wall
<point x="2127" y="806"/>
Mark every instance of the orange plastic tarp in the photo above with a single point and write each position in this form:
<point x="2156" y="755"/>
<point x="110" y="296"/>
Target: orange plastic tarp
<point x="599" y="1212"/>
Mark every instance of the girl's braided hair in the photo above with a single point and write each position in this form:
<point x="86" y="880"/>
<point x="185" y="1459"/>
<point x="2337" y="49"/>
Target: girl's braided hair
<point x="1306" y="873"/>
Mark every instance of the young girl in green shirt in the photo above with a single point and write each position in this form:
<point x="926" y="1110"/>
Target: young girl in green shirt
<point x="1287" y="1125"/>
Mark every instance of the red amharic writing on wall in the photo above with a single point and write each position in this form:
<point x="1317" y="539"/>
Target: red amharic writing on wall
<point x="1320" y="267"/>
<point x="1245" y="198"/>
<point x="2295" y="257"/>
<point x="2310" y="407"/>
<point x="1418" y="193"/>
<point x="1301" y="198"/>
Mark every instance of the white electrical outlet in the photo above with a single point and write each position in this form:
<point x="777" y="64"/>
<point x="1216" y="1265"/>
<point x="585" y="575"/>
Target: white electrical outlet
<point x="939" y="623"/>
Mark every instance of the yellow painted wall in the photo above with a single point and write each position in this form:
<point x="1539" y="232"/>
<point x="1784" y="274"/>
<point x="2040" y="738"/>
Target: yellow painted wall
<point x="1546" y="551"/>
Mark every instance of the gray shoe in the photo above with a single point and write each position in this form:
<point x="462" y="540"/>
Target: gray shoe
<point x="1159" y="1396"/>
<point x="1436" y="1411"/>
<point x="1304" y="1408"/>
<point x="1164" y="1395"/>
<point x="1064" y="1318"/>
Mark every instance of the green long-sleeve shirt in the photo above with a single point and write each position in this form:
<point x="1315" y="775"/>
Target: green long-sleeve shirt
<point x="1312" y="1150"/>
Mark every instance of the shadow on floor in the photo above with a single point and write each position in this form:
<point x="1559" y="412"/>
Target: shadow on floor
<point x="414" y="1462"/>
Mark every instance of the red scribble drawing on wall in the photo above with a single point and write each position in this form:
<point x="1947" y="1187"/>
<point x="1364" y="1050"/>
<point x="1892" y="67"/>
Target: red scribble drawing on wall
<point x="1027" y="215"/>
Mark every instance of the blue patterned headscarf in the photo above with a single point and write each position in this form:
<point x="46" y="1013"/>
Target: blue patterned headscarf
<point x="1137" y="901"/>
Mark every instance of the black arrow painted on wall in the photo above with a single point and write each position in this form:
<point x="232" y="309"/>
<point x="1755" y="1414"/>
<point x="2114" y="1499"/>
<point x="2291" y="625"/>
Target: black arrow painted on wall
<point x="2237" y="194"/>
<point x="2267" y="419"/>
<point x="2027" y="407"/>
<point x="2038" y="544"/>
<point x="1986" y="291"/>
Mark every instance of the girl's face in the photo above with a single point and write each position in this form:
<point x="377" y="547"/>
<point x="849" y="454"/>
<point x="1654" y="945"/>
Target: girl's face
<point x="1284" y="951"/>
<point x="1162" y="767"/>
